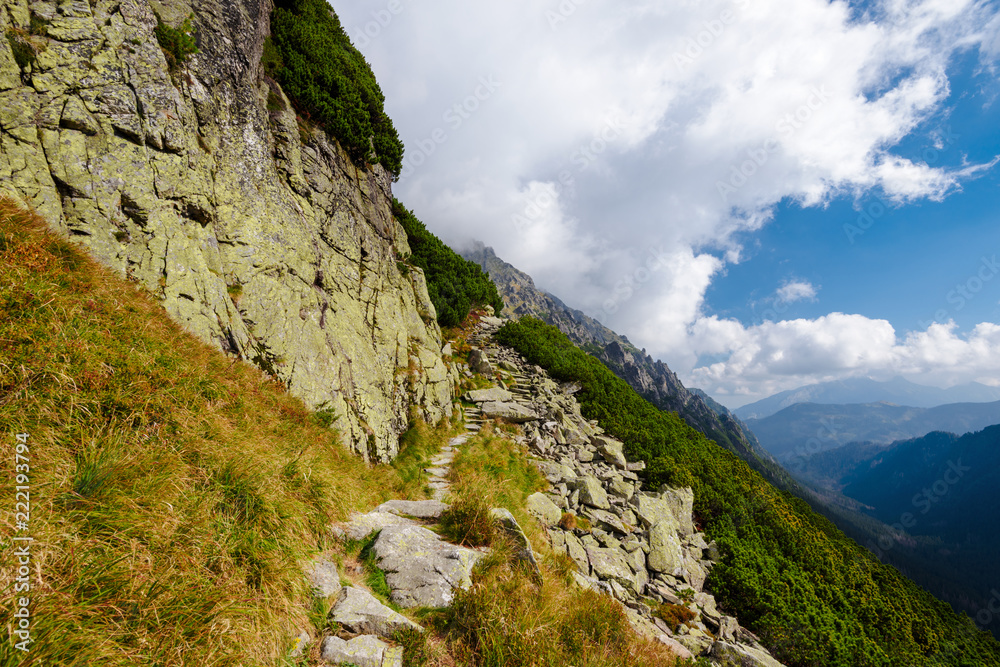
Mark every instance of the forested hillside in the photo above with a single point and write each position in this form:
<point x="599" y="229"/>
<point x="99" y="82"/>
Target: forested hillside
<point x="814" y="596"/>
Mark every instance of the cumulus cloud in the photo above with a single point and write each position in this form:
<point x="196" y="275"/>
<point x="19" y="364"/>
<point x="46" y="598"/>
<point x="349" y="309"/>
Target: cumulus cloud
<point x="796" y="290"/>
<point x="585" y="139"/>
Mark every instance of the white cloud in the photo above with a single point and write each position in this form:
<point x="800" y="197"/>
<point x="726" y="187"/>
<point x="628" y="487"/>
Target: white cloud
<point x="775" y="356"/>
<point x="639" y="127"/>
<point x="796" y="290"/>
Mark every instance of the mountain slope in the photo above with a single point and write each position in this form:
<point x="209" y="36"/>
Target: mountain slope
<point x="807" y="428"/>
<point x="814" y="596"/>
<point x="941" y="495"/>
<point x="173" y="490"/>
<point x="651" y="379"/>
<point x="864" y="390"/>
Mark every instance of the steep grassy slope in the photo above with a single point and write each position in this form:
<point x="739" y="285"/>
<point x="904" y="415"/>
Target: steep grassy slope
<point x="173" y="491"/>
<point x="814" y="596"/>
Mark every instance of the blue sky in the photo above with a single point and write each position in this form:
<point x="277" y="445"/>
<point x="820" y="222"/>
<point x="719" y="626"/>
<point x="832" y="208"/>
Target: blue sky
<point x="599" y="144"/>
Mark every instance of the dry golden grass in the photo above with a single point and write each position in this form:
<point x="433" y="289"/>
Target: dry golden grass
<point x="509" y="618"/>
<point x="174" y="492"/>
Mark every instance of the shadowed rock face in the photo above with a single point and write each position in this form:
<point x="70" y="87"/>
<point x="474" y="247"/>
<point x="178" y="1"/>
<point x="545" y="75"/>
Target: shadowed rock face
<point x="280" y="252"/>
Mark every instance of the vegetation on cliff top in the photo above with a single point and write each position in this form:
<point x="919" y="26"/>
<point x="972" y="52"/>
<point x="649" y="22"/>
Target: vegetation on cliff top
<point x="455" y="284"/>
<point x="330" y="82"/>
<point x="813" y="596"/>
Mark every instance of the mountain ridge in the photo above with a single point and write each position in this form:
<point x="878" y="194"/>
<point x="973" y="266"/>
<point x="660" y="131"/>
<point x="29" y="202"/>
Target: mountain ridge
<point x="898" y="390"/>
<point x="807" y="428"/>
<point x="651" y="379"/>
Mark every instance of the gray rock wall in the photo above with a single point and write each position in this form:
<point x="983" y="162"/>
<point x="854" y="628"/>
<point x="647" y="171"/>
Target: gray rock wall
<point x="258" y="233"/>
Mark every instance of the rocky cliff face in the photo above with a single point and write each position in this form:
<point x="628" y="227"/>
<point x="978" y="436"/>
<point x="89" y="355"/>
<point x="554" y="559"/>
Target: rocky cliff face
<point x="259" y="233"/>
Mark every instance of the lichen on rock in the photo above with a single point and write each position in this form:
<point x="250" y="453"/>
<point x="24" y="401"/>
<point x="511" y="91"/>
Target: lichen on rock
<point x="281" y="252"/>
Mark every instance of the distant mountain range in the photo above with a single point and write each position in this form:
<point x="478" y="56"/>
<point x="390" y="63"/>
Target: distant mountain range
<point x="808" y="428"/>
<point x="650" y="378"/>
<point x="864" y="390"/>
<point x="938" y="500"/>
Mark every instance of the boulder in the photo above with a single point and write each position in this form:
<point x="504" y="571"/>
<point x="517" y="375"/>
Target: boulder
<point x="681" y="503"/>
<point x="732" y="655"/>
<point x="513" y="529"/>
<point x="665" y="554"/>
<point x="480" y="363"/>
<point x="359" y="612"/>
<point x="611" y="450"/>
<point x="621" y="489"/>
<point x="576" y="551"/>
<point x="363" y="651"/>
<point x="422" y="569"/>
<point x="510" y="412"/>
<point x="675" y="647"/>
<point x="610" y="565"/>
<point x="605" y="520"/>
<point x="592" y="493"/>
<point x="324" y="578"/>
<point x="651" y="510"/>
<point x="543" y="509"/>
<point x="729" y="628"/>
<point x="492" y="394"/>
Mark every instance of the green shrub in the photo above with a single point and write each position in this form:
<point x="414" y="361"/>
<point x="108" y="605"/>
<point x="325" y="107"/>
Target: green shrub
<point x="312" y="58"/>
<point x="177" y="43"/>
<point x="454" y="284"/>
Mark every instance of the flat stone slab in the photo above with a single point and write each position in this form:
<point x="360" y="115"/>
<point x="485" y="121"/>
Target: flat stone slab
<point x="360" y="526"/>
<point x="363" y="651"/>
<point x="437" y="472"/>
<point x="511" y="412"/>
<point x="422" y="569"/>
<point x="422" y="509"/>
<point x="324" y="577"/>
<point x="360" y="612"/>
<point x="492" y="394"/>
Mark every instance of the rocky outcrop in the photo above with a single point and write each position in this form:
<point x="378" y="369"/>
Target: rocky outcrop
<point x="258" y="232"/>
<point x="639" y="546"/>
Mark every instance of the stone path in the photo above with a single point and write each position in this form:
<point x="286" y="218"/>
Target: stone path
<point x="441" y="465"/>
